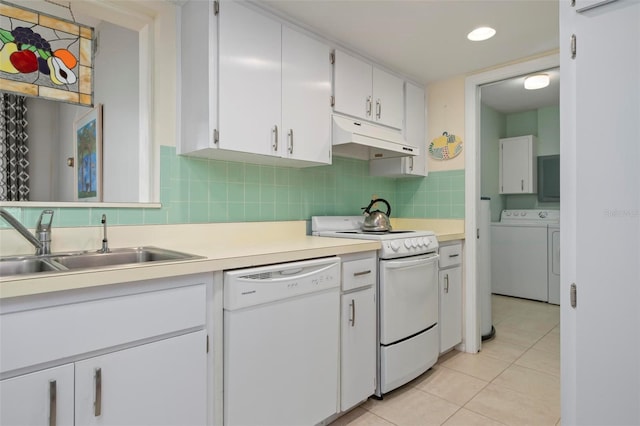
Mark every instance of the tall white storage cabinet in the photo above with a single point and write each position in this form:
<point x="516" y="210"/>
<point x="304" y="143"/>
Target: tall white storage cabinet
<point x="414" y="133"/>
<point x="518" y="168"/>
<point x="600" y="181"/>
<point x="358" y="349"/>
<point x="450" y="279"/>
<point x="258" y="91"/>
<point x="364" y="91"/>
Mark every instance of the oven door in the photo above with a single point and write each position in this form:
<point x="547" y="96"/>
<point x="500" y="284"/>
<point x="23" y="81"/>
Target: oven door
<point x="408" y="291"/>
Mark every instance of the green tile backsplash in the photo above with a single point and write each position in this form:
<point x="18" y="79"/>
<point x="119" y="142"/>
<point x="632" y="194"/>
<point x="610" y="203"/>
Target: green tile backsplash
<point x="194" y="190"/>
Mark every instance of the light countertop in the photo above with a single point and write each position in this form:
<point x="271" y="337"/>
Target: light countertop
<point x="222" y="246"/>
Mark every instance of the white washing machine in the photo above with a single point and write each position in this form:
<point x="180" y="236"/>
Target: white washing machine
<point x="520" y="253"/>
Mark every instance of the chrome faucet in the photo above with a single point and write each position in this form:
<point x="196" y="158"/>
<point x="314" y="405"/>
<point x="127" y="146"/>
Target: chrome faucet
<point x="105" y="243"/>
<point x="42" y="238"/>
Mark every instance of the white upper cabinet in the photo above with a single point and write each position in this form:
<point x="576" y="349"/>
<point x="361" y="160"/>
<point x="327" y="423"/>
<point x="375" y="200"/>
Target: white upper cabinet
<point x="250" y="86"/>
<point x="367" y="92"/>
<point x="306" y="92"/>
<point x="518" y="168"/>
<point x="259" y="93"/>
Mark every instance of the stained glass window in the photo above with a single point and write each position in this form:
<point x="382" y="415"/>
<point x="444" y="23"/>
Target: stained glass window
<point x="45" y="56"/>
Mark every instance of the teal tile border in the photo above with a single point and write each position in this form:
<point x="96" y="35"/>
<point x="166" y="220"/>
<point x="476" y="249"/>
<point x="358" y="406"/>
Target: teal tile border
<point x="196" y="190"/>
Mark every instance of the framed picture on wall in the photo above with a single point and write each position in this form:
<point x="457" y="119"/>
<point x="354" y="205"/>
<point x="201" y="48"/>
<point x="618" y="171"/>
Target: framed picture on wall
<point x="88" y="155"/>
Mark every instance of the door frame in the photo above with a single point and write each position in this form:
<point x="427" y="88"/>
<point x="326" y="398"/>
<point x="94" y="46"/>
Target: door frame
<point x="472" y="335"/>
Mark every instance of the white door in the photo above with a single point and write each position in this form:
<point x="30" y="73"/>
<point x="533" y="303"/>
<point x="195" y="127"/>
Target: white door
<point x="41" y="398"/>
<point x="306" y="92"/>
<point x="249" y="83"/>
<point x="450" y="308"/>
<point x="414" y="128"/>
<point x="600" y="350"/>
<point x="358" y="361"/>
<point x="160" y="383"/>
<point x="408" y="296"/>
<point x="352" y="85"/>
<point x="388" y="99"/>
<point x="516" y="165"/>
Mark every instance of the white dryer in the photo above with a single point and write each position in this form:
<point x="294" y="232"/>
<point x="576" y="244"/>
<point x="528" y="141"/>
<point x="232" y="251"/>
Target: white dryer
<point x="520" y="253"/>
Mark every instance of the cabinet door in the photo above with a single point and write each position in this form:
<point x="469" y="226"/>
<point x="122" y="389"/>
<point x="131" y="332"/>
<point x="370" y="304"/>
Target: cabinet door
<point x="517" y="165"/>
<point x="352" y="83"/>
<point x="42" y="398"/>
<point x="414" y="129"/>
<point x="358" y="361"/>
<point x="160" y="383"/>
<point x="388" y="99"/>
<point x="249" y="85"/>
<point x="306" y="91"/>
<point x="450" y="308"/>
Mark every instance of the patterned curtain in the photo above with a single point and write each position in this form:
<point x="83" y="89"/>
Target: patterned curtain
<point x="14" y="162"/>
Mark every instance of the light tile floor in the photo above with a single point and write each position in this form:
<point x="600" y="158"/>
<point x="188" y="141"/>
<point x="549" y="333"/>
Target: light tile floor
<point x="514" y="380"/>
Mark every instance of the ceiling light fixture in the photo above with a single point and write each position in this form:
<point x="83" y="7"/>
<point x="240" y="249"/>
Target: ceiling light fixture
<point x="537" y="81"/>
<point x="482" y="33"/>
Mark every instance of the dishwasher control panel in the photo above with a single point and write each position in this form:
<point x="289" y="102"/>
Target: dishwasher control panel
<point x="254" y="286"/>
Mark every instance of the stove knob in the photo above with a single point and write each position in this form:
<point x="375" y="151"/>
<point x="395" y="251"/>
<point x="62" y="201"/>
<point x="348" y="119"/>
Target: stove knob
<point x="414" y="243"/>
<point x="426" y="241"/>
<point x="420" y="241"/>
<point x="407" y="243"/>
<point x="395" y="246"/>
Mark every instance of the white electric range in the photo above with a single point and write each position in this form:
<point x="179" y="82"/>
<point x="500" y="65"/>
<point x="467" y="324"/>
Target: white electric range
<point x="407" y="288"/>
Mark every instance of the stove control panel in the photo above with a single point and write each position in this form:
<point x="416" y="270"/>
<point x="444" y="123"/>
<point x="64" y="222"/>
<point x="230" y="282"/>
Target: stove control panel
<point x="412" y="246"/>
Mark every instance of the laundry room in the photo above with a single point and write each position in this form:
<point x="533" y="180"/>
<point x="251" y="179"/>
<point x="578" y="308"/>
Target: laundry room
<point x="520" y="133"/>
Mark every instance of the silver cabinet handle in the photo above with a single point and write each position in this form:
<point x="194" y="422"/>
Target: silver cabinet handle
<point x="97" y="403"/>
<point x="290" y="141"/>
<point x="446" y="283"/>
<point x="454" y="255"/>
<point x="378" y="109"/>
<point x="352" y="320"/>
<point x="275" y="137"/>
<point x="53" y="402"/>
<point x="411" y="164"/>
<point x="357" y="274"/>
<point x="369" y="106"/>
<point x="522" y="184"/>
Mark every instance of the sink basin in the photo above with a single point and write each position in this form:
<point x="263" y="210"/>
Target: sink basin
<point x="88" y="260"/>
<point x="26" y="265"/>
<point x="121" y="256"/>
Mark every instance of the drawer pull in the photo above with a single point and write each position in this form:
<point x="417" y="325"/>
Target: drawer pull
<point x="454" y="255"/>
<point x="358" y="274"/>
<point x="53" y="403"/>
<point x="97" y="403"/>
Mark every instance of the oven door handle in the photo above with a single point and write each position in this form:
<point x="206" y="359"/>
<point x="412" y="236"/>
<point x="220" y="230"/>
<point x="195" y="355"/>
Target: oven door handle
<point x="410" y="262"/>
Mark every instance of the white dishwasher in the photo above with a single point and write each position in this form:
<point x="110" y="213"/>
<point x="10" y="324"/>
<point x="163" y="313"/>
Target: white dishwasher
<point x="281" y="343"/>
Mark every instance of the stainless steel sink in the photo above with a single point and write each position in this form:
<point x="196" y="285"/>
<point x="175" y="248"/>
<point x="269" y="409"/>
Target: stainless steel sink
<point x="27" y="265"/>
<point x="88" y="260"/>
<point x="121" y="256"/>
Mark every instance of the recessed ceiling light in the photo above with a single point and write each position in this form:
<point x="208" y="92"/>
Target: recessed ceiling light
<point x="537" y="81"/>
<point x="482" y="33"/>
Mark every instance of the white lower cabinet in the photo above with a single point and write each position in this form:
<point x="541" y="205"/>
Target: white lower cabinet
<point x="450" y="279"/>
<point x="358" y="334"/>
<point x="160" y="383"/>
<point x="134" y="355"/>
<point x="358" y="360"/>
<point x="41" y="398"/>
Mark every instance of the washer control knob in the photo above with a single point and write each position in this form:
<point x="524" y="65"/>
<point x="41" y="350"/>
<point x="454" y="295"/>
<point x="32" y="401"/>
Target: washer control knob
<point x="543" y="214"/>
<point x="395" y="246"/>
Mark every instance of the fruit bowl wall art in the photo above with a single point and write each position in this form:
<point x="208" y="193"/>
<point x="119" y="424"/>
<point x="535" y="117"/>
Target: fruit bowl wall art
<point x="45" y="56"/>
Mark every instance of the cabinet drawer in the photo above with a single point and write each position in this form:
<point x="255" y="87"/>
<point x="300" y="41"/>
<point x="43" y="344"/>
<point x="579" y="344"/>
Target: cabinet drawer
<point x="450" y="255"/>
<point x="42" y="335"/>
<point x="359" y="273"/>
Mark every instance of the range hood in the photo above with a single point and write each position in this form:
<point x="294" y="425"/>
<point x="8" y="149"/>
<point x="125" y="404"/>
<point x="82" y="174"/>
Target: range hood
<point x="367" y="141"/>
